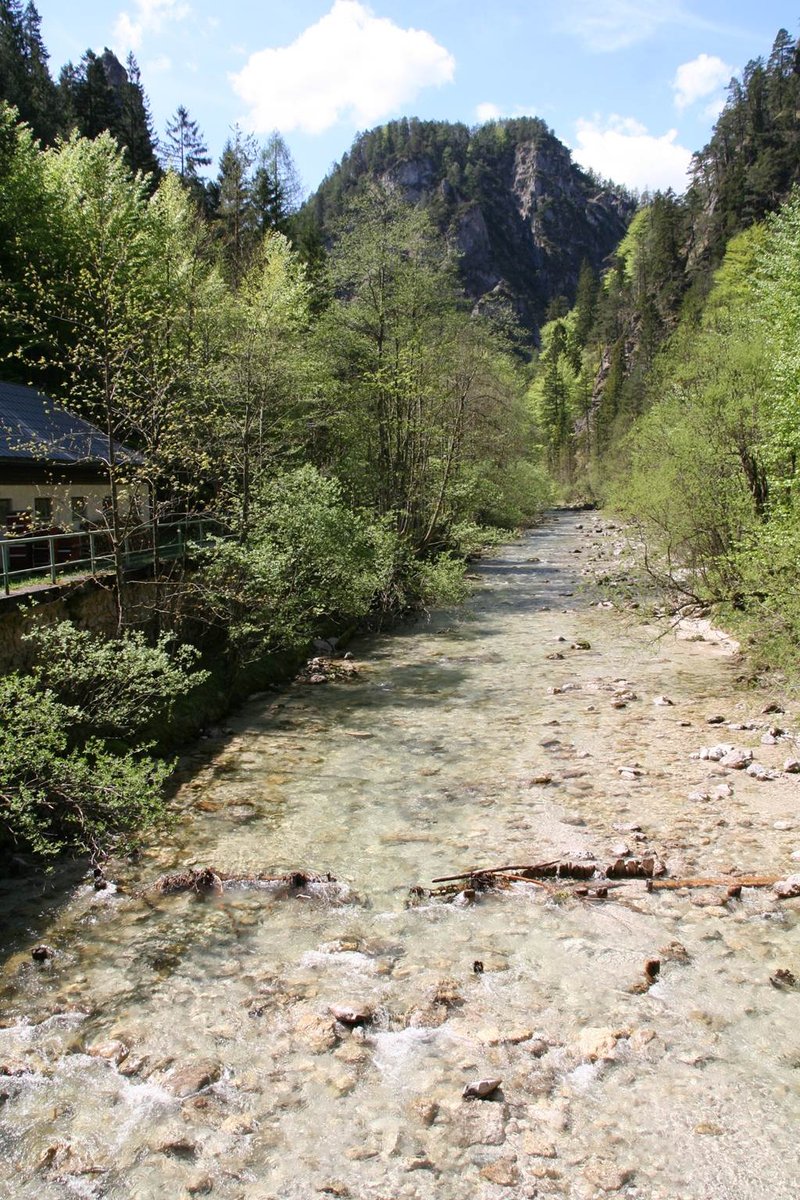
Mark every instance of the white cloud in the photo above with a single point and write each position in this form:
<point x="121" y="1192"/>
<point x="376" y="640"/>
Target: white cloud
<point x="615" y="24"/>
<point x="158" y="66"/>
<point x="699" y="78"/>
<point x="488" y="112"/>
<point x="618" y="24"/>
<point x="621" y="149"/>
<point x="349" y="65"/>
<point x="149" y="16"/>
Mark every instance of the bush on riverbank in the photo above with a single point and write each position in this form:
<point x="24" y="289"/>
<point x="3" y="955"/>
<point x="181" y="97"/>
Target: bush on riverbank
<point x="76" y="772"/>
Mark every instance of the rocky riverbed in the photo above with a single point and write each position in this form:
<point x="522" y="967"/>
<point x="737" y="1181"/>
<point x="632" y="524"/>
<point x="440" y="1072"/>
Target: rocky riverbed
<point x="345" y="1037"/>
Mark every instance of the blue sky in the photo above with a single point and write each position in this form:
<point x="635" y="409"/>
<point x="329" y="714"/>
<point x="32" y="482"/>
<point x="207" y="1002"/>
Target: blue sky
<point x="632" y="86"/>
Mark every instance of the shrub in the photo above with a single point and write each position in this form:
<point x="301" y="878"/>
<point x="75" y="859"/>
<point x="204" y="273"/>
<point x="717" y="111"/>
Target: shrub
<point x="56" y="796"/>
<point x="309" y="561"/>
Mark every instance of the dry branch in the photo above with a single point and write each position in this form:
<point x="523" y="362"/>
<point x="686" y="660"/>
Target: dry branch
<point x="729" y="881"/>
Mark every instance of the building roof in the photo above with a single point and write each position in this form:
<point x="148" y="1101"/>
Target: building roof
<point x="33" y="429"/>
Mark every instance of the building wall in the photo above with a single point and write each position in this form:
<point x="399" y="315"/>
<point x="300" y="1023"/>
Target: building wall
<point x="22" y="497"/>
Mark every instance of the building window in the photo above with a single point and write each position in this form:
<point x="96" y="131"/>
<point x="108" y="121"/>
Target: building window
<point x="6" y="509"/>
<point x="43" y="512"/>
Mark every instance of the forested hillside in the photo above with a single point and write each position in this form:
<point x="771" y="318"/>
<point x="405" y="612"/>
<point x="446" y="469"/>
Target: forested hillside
<point x="671" y="387"/>
<point x="520" y="215"/>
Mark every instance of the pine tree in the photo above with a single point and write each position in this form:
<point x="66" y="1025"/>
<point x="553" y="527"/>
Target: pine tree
<point x="184" y="149"/>
<point x="136" y="125"/>
<point x="585" y="303"/>
<point x="89" y="97"/>
<point x="276" y="187"/>
<point x="25" y="80"/>
<point x="235" y="213"/>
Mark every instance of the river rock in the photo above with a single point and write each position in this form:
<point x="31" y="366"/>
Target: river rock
<point x="199" y="1184"/>
<point x="640" y="1039"/>
<point x="674" y="952"/>
<point x="539" y="1147"/>
<point x="177" y="1144"/>
<point x="664" y="702"/>
<point x="15" y="1066"/>
<point x="333" y="1187"/>
<point x="351" y="1014"/>
<point x="714" y="753"/>
<point x="315" y="1031"/>
<point x="424" y="1111"/>
<point x="491" y="1035"/>
<point x="135" y="1064"/>
<point x="787" y="888"/>
<point x="503" y="1172"/>
<point x="343" y="1083"/>
<point x="481" y="1089"/>
<point x="42" y="953"/>
<point x="481" y="1125"/>
<point x="606" y="1175"/>
<point x="599" y="1044"/>
<point x="188" y="1079"/>
<point x="737" y="759"/>
<point x="760" y="773"/>
<point x="113" y="1051"/>
<point x="430" y="1016"/>
<point x="419" y="1162"/>
<point x="538" y="1047"/>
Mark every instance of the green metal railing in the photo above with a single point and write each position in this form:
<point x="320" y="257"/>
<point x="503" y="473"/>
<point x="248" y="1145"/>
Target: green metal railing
<point x="27" y="562"/>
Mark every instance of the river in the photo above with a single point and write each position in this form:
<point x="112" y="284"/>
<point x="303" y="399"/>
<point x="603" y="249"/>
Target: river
<point x="179" y="1045"/>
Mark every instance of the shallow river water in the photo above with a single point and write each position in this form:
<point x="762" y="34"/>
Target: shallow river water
<point x="183" y="1045"/>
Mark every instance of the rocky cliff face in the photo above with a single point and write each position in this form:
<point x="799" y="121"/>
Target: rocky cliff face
<point x="521" y="215"/>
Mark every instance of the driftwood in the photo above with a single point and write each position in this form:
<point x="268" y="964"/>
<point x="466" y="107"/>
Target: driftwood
<point x="527" y="873"/>
<point x="541" y="869"/>
<point x="207" y="881"/>
<point x="734" y="883"/>
<point x="464" y="888"/>
<point x="636" y="868"/>
<point x="621" y="868"/>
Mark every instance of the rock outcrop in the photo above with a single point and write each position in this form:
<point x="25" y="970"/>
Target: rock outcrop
<point x="521" y="216"/>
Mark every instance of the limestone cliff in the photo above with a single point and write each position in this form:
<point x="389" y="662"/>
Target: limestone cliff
<point x="521" y="215"/>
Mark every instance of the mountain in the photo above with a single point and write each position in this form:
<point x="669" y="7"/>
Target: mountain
<point x="521" y="215"/>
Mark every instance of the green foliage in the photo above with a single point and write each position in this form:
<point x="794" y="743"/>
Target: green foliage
<point x="57" y="796"/>
<point x="309" y="561"/>
<point x="424" y="398"/>
<point x="25" y="80"/>
<point x="712" y="464"/>
<point x="436" y="583"/>
<point x="750" y="163"/>
<point x="114" y="687"/>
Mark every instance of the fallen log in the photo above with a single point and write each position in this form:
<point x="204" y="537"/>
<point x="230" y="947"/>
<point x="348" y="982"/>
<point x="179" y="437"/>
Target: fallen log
<point x="207" y="880"/>
<point x="730" y="881"/>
